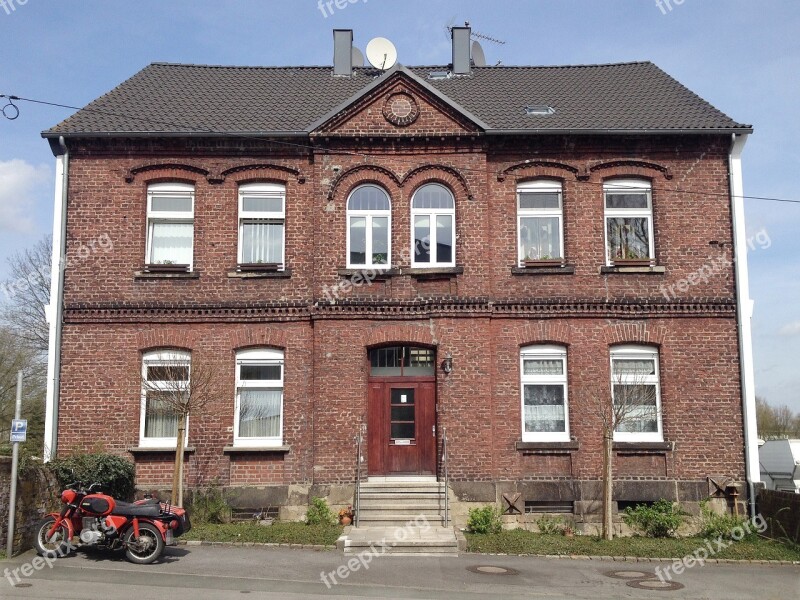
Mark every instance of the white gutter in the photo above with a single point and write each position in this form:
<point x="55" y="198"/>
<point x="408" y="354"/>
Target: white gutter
<point x="55" y="310"/>
<point x="744" y="314"/>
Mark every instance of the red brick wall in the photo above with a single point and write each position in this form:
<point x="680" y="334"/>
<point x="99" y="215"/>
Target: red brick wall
<point x="112" y="315"/>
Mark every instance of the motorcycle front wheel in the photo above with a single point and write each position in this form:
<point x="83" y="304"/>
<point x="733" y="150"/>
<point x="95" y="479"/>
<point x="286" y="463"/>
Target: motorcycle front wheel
<point x="147" y="548"/>
<point x="58" y="545"/>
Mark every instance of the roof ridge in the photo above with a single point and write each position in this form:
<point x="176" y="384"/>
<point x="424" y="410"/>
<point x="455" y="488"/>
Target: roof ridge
<point x="279" y="67"/>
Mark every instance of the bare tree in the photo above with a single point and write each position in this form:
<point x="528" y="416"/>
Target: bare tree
<point x="629" y="404"/>
<point x="16" y="357"/>
<point x="176" y="386"/>
<point x="776" y="422"/>
<point x="25" y="294"/>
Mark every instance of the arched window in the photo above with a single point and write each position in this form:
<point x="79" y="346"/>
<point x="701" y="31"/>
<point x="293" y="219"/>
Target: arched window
<point x="369" y="222"/>
<point x="629" y="221"/>
<point x="540" y="221"/>
<point x="545" y="414"/>
<point x="165" y="382"/>
<point x="635" y="388"/>
<point x="262" y="219"/>
<point x="170" y="225"/>
<point x="258" y="418"/>
<point x="433" y="217"/>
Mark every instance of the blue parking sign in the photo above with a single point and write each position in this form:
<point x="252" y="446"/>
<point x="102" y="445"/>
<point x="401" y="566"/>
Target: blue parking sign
<point x="19" y="430"/>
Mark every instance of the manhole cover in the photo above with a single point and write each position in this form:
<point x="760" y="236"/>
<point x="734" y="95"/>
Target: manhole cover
<point x="492" y="570"/>
<point x="628" y="574"/>
<point x="655" y="584"/>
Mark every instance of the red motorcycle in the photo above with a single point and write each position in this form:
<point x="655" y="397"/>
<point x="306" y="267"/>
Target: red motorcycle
<point x="142" y="529"/>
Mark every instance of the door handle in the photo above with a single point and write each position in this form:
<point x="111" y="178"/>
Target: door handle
<point x="433" y="428"/>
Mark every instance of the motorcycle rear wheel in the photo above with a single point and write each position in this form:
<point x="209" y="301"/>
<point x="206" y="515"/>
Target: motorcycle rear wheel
<point x="59" y="545"/>
<point x="147" y="548"/>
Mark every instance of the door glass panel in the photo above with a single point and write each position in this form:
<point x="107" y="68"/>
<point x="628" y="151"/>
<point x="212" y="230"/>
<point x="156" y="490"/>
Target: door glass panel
<point x="403" y="414"/>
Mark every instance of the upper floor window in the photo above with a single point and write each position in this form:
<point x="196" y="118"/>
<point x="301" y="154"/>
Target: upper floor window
<point x="629" y="220"/>
<point x="258" y="419"/>
<point x="165" y="382"/>
<point x="433" y="217"/>
<point x="636" y="394"/>
<point x="369" y="222"/>
<point x="540" y="221"/>
<point x="170" y="225"/>
<point x="545" y="416"/>
<point x="262" y="219"/>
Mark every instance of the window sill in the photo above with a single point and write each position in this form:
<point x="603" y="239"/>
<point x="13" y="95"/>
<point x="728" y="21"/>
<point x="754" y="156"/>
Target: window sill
<point x="643" y="447"/>
<point x="255" y="449"/>
<point x="367" y="273"/>
<point x="166" y="275"/>
<point x="433" y="272"/>
<point x="648" y="270"/>
<point x="148" y="450"/>
<point x="528" y="448"/>
<point x="544" y="270"/>
<point x="256" y="274"/>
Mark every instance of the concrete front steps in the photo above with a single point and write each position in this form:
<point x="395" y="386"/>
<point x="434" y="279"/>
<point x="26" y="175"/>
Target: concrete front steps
<point x="401" y="517"/>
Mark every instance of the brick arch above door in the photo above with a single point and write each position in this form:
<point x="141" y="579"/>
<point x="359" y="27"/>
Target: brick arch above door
<point x="401" y="334"/>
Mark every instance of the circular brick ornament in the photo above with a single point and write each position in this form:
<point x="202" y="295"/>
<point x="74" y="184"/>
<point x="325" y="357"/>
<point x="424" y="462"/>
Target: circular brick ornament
<point x="401" y="109"/>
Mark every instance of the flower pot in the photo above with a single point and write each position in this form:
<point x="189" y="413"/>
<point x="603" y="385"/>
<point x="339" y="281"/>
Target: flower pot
<point x="346" y="521"/>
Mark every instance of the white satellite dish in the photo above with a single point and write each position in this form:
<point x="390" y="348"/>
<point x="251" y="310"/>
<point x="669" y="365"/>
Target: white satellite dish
<point x="381" y="53"/>
<point x="478" y="57"/>
<point x="358" y="58"/>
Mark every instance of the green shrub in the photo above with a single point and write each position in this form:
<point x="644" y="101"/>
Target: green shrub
<point x="484" y="520"/>
<point x="115" y="474"/>
<point x="209" y="506"/>
<point x="721" y="526"/>
<point x="551" y="525"/>
<point x="660" y="520"/>
<point x="319" y="513"/>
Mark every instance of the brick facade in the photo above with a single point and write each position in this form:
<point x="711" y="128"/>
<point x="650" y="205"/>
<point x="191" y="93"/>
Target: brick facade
<point x="481" y="316"/>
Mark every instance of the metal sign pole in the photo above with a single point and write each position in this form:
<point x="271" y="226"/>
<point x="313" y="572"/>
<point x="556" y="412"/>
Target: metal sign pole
<point x="12" y="500"/>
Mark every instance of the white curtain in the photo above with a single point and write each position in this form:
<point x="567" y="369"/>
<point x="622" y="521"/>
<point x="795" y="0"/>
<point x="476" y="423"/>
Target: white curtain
<point x="260" y="413"/>
<point x="262" y="242"/>
<point x="172" y="242"/>
<point x="160" y="420"/>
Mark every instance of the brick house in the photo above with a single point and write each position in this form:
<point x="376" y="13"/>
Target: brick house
<point x="460" y="251"/>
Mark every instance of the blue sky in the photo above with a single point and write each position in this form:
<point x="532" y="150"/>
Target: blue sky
<point x="742" y="56"/>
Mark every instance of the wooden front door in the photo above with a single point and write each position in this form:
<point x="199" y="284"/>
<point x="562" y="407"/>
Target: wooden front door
<point x="401" y="430"/>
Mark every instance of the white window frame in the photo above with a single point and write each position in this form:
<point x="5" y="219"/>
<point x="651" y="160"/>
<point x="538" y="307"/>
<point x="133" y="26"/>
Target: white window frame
<point x="257" y="357"/>
<point x="548" y="352"/>
<point x="549" y="186"/>
<point x="368" y="215"/>
<point x="176" y="217"/>
<point x="432" y="213"/>
<point x="636" y="352"/>
<point x="262" y="190"/>
<point x="154" y="359"/>
<point x="629" y="185"/>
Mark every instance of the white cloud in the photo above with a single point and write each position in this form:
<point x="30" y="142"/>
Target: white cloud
<point x="791" y="328"/>
<point x="21" y="184"/>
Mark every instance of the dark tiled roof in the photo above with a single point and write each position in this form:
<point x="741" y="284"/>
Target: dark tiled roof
<point x="175" y="99"/>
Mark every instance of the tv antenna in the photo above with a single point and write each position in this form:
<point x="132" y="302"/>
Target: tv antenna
<point x="475" y="35"/>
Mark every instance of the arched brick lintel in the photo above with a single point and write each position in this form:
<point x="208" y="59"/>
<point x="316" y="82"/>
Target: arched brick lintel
<point x="156" y="339"/>
<point x="544" y="332"/>
<point x="635" y="333"/>
<point x="258" y="337"/>
<point x="401" y="334"/>
<point x="374" y="173"/>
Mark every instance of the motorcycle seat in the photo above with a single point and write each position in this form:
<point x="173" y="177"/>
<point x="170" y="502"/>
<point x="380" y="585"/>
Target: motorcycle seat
<point x="125" y="509"/>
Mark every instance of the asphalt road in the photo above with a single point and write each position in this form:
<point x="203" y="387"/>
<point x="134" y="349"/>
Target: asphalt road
<point x="199" y="572"/>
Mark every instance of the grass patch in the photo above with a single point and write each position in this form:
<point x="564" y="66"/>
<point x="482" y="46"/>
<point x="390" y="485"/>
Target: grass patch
<point x="518" y="541"/>
<point x="277" y="533"/>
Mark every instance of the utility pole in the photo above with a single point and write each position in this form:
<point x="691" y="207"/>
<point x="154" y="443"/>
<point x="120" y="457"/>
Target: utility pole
<point x="12" y="500"/>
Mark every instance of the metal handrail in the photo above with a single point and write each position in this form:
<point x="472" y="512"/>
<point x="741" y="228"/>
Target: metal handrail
<point x="446" y="478"/>
<point x="359" y="460"/>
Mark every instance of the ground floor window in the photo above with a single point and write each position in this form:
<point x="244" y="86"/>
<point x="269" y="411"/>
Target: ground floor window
<point x="258" y="419"/>
<point x="544" y="394"/>
<point x="165" y="381"/>
<point x="636" y="394"/>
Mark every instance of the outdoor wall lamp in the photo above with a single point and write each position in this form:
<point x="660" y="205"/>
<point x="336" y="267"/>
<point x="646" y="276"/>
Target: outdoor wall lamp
<point x="447" y="363"/>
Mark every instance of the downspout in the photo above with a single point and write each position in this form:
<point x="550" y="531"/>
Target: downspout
<point x="744" y="314"/>
<point x="55" y="310"/>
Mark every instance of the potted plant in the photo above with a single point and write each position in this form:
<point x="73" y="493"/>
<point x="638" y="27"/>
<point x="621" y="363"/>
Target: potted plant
<point x="543" y="261"/>
<point x="346" y="515"/>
